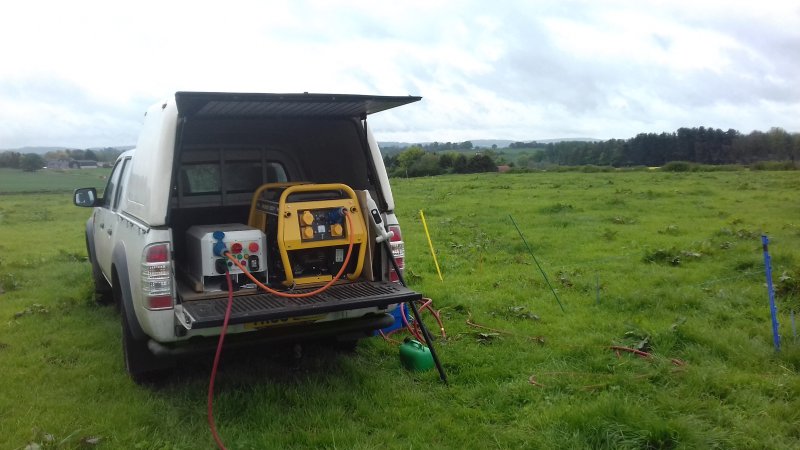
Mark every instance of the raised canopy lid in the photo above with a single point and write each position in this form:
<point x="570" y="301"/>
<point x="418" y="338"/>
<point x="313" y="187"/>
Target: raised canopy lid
<point x="224" y="104"/>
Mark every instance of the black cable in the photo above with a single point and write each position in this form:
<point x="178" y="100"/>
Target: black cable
<point x="417" y="316"/>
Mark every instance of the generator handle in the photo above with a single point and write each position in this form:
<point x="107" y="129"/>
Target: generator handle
<point x="347" y="190"/>
<point x="381" y="234"/>
<point x="257" y="219"/>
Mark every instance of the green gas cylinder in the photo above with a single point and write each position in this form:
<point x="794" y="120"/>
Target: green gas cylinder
<point x="415" y="356"/>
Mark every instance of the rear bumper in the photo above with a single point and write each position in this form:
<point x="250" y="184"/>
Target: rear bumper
<point x="276" y="335"/>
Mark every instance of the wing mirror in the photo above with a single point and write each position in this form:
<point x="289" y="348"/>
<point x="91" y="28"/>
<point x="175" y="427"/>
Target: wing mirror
<point x="85" y="197"/>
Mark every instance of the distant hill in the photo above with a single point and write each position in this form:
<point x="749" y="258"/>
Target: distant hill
<point x="388" y="145"/>
<point x="577" y="139"/>
<point x="43" y="150"/>
<point x="487" y="143"/>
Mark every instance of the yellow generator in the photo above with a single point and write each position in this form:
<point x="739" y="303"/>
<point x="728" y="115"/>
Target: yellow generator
<point x="307" y="231"/>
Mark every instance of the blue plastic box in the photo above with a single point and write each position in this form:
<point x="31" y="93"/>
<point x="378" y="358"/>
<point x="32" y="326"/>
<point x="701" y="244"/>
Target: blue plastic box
<point x="398" y="320"/>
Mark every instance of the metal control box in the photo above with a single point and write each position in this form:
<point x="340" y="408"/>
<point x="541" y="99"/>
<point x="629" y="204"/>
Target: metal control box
<point x="247" y="244"/>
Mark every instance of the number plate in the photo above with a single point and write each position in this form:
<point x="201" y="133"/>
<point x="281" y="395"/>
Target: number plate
<point x="282" y="322"/>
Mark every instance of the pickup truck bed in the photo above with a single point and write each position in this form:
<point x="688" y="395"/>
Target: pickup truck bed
<point x="266" y="307"/>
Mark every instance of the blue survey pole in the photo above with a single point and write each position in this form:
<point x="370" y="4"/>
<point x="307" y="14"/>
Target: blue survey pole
<point x="776" y="338"/>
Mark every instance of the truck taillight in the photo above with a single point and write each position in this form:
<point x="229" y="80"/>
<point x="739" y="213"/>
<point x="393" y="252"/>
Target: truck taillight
<point x="398" y="251"/>
<point x="157" y="276"/>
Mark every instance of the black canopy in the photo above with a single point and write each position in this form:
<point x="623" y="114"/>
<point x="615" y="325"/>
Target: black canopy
<point x="223" y="104"/>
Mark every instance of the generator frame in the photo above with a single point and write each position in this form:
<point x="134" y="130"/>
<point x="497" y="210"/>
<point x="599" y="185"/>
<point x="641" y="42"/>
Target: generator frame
<point x="288" y="214"/>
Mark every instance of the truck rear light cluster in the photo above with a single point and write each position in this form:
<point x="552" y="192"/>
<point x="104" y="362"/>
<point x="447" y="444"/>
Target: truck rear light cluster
<point x="398" y="251"/>
<point x="157" y="276"/>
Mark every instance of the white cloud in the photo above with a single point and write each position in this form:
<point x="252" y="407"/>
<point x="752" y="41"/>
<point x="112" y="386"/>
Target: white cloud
<point x="81" y="73"/>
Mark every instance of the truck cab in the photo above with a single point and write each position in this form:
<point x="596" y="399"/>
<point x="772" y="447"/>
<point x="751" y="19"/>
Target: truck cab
<point x="269" y="192"/>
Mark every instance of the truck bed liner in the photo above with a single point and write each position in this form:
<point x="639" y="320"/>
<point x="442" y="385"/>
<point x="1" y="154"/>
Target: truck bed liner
<point x="264" y="306"/>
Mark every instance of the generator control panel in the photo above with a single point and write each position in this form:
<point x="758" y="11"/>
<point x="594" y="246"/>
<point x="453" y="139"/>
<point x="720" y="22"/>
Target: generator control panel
<point x="246" y="244"/>
<point x="321" y="224"/>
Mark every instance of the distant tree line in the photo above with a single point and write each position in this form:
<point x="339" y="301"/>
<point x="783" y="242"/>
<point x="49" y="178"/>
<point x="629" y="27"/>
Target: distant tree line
<point x="29" y="162"/>
<point x="108" y="154"/>
<point x="532" y="144"/>
<point x="34" y="161"/>
<point x="415" y="161"/>
<point x="433" y="147"/>
<point x="706" y="146"/>
<point x="442" y="147"/>
<point x="10" y="159"/>
<point x="699" y="145"/>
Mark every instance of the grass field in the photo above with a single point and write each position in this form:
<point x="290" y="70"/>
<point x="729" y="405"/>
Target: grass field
<point x="667" y="262"/>
<point x="17" y="181"/>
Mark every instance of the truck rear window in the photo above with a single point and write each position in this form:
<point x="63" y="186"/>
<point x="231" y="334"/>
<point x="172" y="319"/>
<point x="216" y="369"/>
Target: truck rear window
<point x="200" y="179"/>
<point x="236" y="176"/>
<point x="220" y="175"/>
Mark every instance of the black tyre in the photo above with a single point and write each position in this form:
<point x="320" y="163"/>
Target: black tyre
<point x="140" y="363"/>
<point x="103" y="293"/>
<point x="347" y="343"/>
<point x="346" y="346"/>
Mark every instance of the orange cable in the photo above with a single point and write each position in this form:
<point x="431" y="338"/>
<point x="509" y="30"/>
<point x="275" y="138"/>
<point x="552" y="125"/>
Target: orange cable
<point x="305" y="294"/>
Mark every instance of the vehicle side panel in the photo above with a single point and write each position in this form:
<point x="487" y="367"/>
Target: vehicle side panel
<point x="380" y="169"/>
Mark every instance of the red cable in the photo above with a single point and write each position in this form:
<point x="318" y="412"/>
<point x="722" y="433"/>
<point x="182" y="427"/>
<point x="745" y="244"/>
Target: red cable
<point x="224" y="330"/>
<point x="676" y="361"/>
<point x="211" y="423"/>
<point x="436" y="315"/>
<point x="414" y="328"/>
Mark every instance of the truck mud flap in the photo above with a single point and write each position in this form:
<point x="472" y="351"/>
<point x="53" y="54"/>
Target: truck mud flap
<point x="263" y="306"/>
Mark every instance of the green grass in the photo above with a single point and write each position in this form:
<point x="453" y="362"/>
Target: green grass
<point x="51" y="180"/>
<point x="676" y="256"/>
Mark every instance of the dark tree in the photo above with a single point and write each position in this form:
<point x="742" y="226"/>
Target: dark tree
<point x="481" y="163"/>
<point x="446" y="160"/>
<point x="460" y="163"/>
<point x="10" y="159"/>
<point x="31" y="162"/>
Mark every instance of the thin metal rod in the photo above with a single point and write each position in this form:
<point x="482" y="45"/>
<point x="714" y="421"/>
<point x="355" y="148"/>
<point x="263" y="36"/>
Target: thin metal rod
<point x="537" y="263"/>
<point x="417" y="316"/>
<point x="776" y="338"/>
<point x="430" y="244"/>
<point x="597" y="287"/>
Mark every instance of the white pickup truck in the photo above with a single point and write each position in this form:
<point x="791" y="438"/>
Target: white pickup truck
<point x="216" y="177"/>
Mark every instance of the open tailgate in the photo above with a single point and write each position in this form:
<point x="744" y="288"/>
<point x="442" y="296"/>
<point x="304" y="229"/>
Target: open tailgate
<point x="263" y="306"/>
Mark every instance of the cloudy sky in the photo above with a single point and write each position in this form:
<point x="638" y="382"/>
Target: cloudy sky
<point x="81" y="73"/>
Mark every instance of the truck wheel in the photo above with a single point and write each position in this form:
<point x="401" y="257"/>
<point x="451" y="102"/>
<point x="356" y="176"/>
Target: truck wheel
<point x="140" y="363"/>
<point x="347" y="343"/>
<point x="347" y="346"/>
<point x="103" y="294"/>
<point x="102" y="290"/>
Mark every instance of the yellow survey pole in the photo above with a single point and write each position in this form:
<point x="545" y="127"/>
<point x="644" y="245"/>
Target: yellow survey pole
<point x="430" y="244"/>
